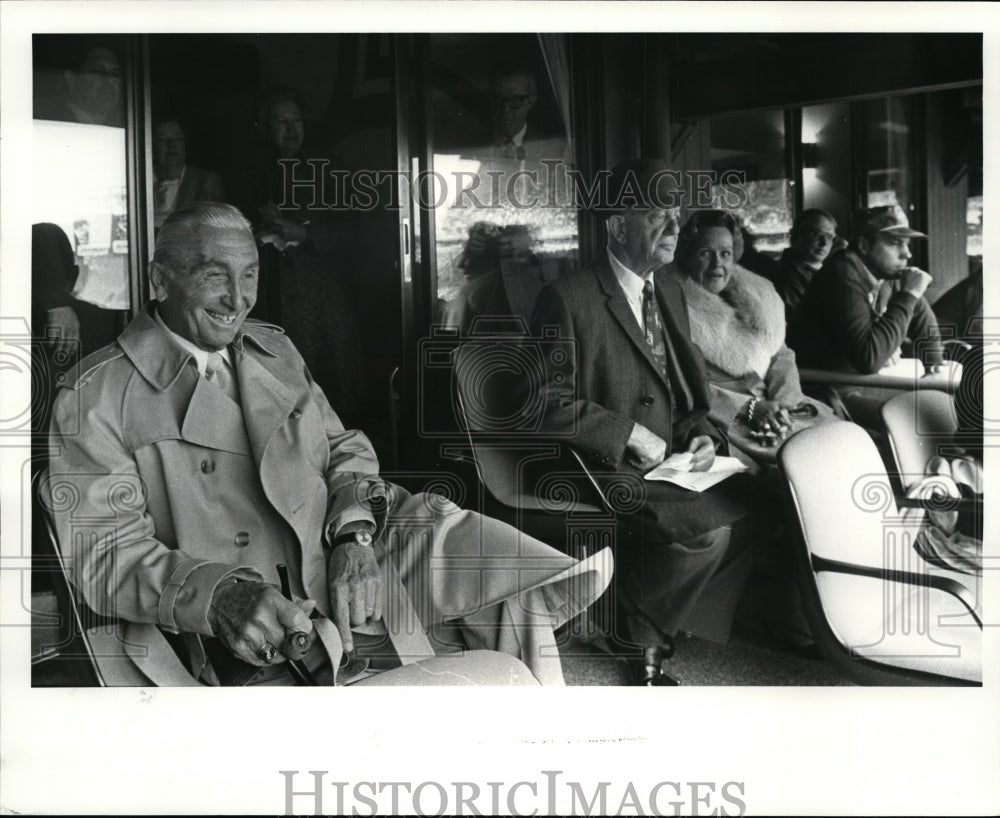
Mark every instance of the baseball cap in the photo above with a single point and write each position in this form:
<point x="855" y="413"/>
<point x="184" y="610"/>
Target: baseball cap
<point x="887" y="219"/>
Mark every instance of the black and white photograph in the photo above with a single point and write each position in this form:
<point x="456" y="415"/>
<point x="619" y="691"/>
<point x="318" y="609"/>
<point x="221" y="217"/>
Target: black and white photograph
<point x="544" y="350"/>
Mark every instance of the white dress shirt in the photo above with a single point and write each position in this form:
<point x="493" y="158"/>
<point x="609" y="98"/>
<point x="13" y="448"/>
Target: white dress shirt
<point x="631" y="285"/>
<point x="200" y="355"/>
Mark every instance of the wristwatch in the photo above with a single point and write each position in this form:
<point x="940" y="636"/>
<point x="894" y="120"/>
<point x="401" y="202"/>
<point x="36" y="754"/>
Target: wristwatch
<point x="359" y="536"/>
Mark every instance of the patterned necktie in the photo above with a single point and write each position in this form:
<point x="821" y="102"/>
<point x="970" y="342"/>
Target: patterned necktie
<point x="653" y="326"/>
<point x="681" y="396"/>
<point x="217" y="373"/>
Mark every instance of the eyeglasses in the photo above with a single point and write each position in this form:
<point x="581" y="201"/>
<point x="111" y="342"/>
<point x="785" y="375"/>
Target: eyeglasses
<point x="513" y="103"/>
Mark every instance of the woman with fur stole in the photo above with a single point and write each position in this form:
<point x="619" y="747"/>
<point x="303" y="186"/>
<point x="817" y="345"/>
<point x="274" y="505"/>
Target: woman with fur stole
<point x="738" y="321"/>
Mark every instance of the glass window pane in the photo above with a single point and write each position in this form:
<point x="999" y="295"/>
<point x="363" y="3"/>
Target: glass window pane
<point x="79" y="185"/>
<point x="505" y="222"/>
<point x="888" y="148"/>
<point x="754" y="144"/>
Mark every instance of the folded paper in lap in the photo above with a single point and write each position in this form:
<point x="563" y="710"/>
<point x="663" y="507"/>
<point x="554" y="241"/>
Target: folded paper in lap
<point x="676" y="469"/>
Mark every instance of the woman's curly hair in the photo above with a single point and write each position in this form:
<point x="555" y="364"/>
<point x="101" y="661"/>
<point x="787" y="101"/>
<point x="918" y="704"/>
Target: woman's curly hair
<point x="703" y="220"/>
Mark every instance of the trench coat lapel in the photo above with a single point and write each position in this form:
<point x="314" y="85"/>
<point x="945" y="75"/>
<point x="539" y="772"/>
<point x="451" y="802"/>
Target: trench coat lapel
<point x="214" y="421"/>
<point x="622" y="312"/>
<point x="266" y="402"/>
<point x="267" y="408"/>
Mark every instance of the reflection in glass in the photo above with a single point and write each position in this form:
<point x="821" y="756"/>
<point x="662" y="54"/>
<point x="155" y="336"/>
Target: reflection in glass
<point x="79" y="184"/>
<point x="79" y="172"/>
<point x="754" y="144"/>
<point x="887" y="150"/>
<point x="505" y="223"/>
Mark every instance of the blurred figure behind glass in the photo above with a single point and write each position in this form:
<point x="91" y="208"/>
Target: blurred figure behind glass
<point x="178" y="183"/>
<point x="91" y="88"/>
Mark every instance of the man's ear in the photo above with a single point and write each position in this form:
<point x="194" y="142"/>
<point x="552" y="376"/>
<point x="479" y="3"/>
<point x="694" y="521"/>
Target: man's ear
<point x="616" y="227"/>
<point x="864" y="246"/>
<point x="529" y="103"/>
<point x="158" y="278"/>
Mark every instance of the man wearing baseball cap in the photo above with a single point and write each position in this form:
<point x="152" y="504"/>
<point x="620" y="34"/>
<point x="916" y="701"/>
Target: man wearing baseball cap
<point x="867" y="302"/>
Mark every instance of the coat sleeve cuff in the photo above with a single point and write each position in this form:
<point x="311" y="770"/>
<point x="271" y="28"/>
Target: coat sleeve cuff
<point x="355" y="514"/>
<point x="352" y="502"/>
<point x="188" y="593"/>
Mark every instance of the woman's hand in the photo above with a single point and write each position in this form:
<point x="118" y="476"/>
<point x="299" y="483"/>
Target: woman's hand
<point x="767" y="421"/>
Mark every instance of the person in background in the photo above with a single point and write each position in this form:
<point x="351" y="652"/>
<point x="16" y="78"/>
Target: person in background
<point x="813" y="237"/>
<point x="867" y="302"/>
<point x="737" y="321"/>
<point x="91" y="89"/>
<point x="502" y="276"/>
<point x="307" y="255"/>
<point x="754" y="260"/>
<point x="177" y="184"/>
<point x="961" y="308"/>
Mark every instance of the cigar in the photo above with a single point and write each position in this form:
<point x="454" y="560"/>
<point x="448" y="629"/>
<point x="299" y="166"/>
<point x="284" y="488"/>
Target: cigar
<point x="300" y="640"/>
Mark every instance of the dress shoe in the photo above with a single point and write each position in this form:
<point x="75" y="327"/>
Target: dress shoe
<point x="650" y="672"/>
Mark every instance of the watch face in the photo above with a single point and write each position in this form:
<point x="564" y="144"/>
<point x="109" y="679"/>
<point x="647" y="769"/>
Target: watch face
<point x="363" y="537"/>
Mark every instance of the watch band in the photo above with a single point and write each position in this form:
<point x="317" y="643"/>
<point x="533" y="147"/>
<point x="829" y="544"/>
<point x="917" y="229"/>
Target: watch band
<point x="360" y="536"/>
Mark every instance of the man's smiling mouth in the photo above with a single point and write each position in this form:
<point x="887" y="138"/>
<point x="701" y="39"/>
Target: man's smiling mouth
<point x="222" y="318"/>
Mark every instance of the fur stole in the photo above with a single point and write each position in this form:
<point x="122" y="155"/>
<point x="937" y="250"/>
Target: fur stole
<point x="741" y="329"/>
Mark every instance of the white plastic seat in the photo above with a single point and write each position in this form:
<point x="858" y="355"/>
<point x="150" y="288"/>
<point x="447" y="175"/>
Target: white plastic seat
<point x="917" y="424"/>
<point x="877" y="610"/>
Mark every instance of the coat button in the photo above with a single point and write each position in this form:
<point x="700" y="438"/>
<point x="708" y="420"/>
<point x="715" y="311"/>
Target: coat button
<point x="207" y="466"/>
<point x="647" y="400"/>
<point x="242" y="539"/>
<point x="295" y="413"/>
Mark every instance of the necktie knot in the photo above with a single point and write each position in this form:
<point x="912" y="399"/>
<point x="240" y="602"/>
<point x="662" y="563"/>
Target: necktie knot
<point x="217" y="372"/>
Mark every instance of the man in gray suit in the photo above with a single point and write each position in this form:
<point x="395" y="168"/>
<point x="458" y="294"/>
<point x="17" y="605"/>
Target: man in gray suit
<point x="630" y="391"/>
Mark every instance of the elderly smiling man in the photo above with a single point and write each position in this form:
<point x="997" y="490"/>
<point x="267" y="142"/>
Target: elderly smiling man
<point x="633" y="391"/>
<point x="203" y="452"/>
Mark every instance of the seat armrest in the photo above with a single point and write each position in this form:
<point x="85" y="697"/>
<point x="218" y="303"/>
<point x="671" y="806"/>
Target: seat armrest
<point x="591" y="479"/>
<point x="966" y="505"/>
<point x="944" y="584"/>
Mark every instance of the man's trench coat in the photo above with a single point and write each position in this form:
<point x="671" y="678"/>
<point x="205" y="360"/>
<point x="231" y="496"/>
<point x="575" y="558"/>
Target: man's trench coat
<point x="160" y="487"/>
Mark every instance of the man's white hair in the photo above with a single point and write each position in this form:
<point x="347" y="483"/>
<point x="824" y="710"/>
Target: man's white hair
<point x="174" y="239"/>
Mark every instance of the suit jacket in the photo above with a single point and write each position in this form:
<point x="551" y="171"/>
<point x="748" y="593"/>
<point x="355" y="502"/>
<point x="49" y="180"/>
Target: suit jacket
<point x="161" y="487"/>
<point x="199" y="185"/>
<point x="607" y="380"/>
<point x="794" y="278"/>
<point x="600" y="379"/>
